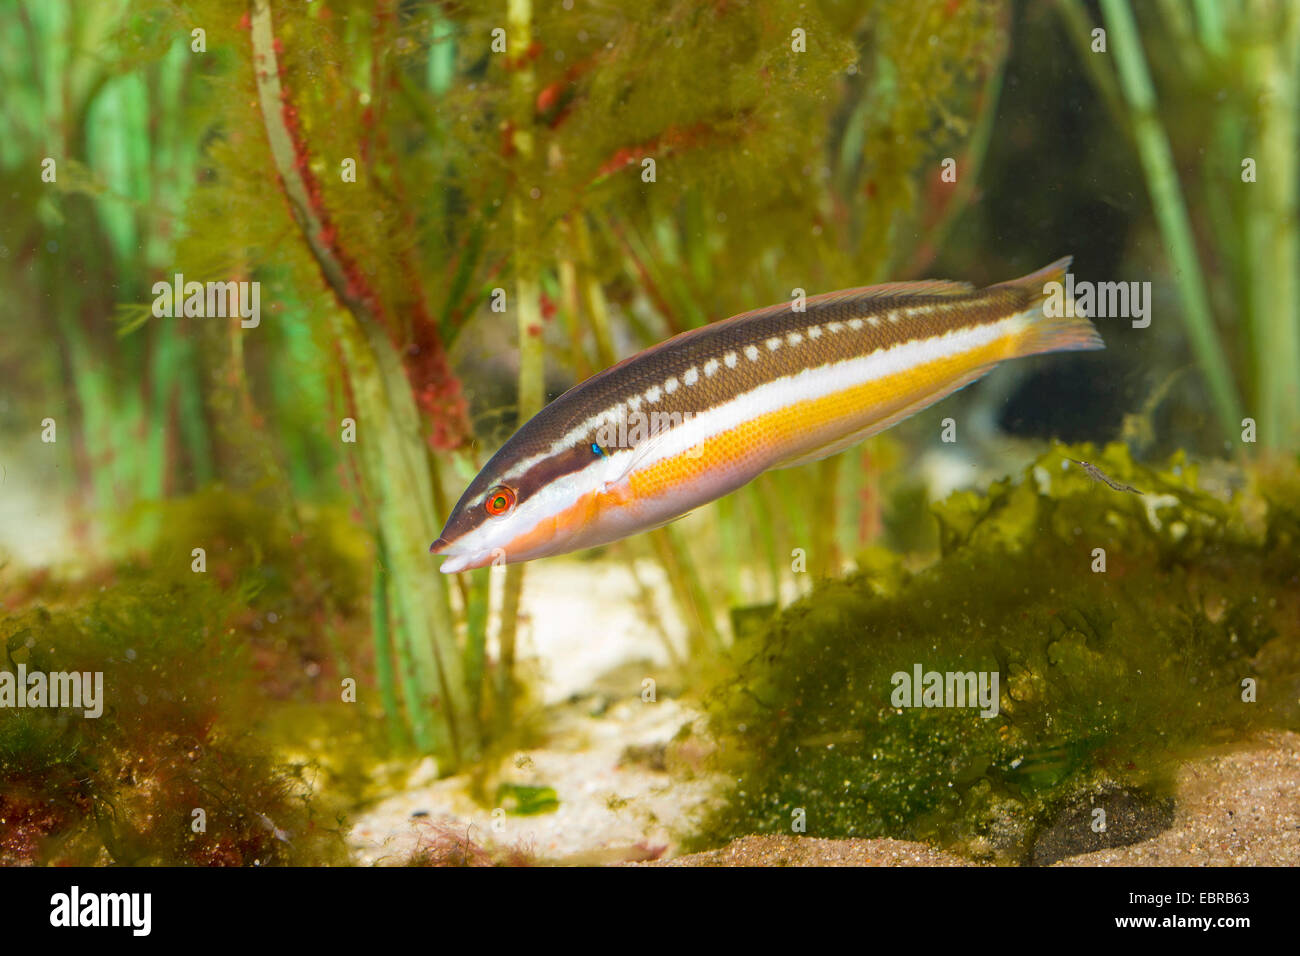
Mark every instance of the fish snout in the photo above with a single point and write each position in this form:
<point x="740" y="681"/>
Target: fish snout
<point x="463" y="559"/>
<point x="466" y="562"/>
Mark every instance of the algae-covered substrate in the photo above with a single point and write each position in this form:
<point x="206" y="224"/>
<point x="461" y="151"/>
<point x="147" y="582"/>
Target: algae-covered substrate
<point x="1142" y="623"/>
<point x="1187" y="640"/>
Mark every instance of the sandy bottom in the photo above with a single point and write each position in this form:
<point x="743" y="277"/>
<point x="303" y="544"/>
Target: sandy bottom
<point x="811" y="851"/>
<point x="620" y="801"/>
<point x="617" y="799"/>
<point x="582" y="621"/>
<point x="1235" y="809"/>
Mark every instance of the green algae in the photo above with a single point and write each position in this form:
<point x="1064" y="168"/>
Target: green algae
<point x="219" y="695"/>
<point x="525" y="801"/>
<point x="1107" y="678"/>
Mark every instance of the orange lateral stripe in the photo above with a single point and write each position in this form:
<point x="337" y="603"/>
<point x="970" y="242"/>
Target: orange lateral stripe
<point x="573" y="517"/>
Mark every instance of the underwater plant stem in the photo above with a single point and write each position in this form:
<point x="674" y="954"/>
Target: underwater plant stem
<point x="531" y="390"/>
<point x="395" y="472"/>
<point x="385" y="673"/>
<point x="92" y="394"/>
<point x="570" y="308"/>
<point x="700" y="596"/>
<point x="507" y="638"/>
<point x="162" y="383"/>
<point x="593" y="296"/>
<point x="794" y="490"/>
<point x="649" y="609"/>
<point x="476" y="622"/>
<point x="972" y="161"/>
<point x="1209" y="25"/>
<point x="686" y="586"/>
<point x="729" y="549"/>
<point x="1170" y="210"/>
<point x="1272" y="62"/>
<point x="442" y="52"/>
<point x="413" y="523"/>
<point x="1079" y="27"/>
<point x="829" y="507"/>
<point x="393" y="459"/>
<point x="760" y="492"/>
<point x="415" y="659"/>
<point x="643" y="271"/>
<point x="194" y="427"/>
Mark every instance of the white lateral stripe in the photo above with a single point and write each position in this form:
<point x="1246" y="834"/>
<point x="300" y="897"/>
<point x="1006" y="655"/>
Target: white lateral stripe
<point x="815" y="383"/>
<point x="633" y="403"/>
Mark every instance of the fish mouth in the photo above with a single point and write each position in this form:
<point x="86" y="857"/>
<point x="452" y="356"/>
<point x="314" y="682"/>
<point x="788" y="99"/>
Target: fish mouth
<point x="459" y="562"/>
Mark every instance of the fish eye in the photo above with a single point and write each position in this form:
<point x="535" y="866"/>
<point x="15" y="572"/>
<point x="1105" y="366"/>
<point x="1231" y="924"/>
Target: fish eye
<point x="499" y="501"/>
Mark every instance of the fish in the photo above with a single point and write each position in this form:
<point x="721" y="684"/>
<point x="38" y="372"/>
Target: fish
<point x="1099" y="475"/>
<point x="697" y="416"/>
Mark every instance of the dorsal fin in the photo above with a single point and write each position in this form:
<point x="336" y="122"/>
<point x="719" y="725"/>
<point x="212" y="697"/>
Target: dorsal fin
<point x="922" y="287"/>
<point x="1033" y="282"/>
<point x="883" y="290"/>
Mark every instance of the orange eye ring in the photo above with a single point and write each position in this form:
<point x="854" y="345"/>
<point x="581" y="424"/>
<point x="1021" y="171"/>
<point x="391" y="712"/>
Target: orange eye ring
<point x="499" y="501"/>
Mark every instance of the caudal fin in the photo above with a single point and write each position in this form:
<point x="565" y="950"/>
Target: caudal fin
<point x="1053" y="323"/>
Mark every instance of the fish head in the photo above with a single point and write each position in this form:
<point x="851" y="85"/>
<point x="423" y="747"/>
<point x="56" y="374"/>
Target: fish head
<point x="522" y="507"/>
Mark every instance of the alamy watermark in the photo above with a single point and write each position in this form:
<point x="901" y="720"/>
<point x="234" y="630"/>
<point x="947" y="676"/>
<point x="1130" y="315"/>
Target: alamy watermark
<point x="922" y="688"/>
<point x="209" y="300"/>
<point x="1099" y="300"/>
<point x="133" y="911"/>
<point x="77" y="690"/>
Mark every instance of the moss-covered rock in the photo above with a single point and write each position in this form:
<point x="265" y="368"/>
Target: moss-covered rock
<point x="1105" y="677"/>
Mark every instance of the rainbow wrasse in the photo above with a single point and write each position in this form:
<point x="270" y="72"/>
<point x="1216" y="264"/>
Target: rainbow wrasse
<point x="697" y="416"/>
